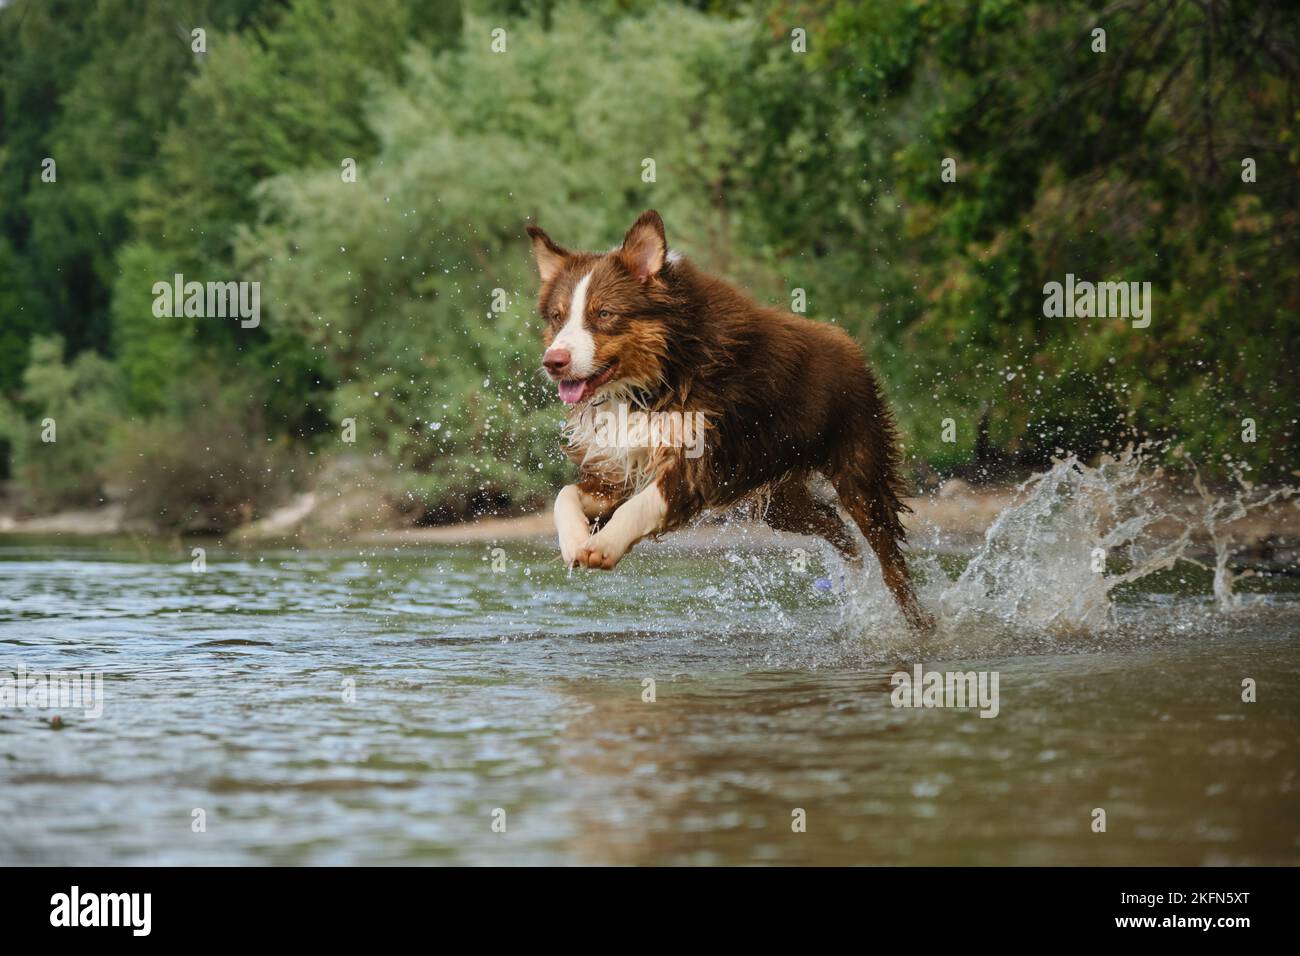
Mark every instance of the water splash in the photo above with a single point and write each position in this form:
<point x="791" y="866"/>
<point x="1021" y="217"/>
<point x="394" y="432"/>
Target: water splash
<point x="1053" y="559"/>
<point x="1043" y="580"/>
<point x="1219" y="512"/>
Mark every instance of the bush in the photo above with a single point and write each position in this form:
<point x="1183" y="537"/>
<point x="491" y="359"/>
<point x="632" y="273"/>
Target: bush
<point x="205" y="464"/>
<point x="59" y="429"/>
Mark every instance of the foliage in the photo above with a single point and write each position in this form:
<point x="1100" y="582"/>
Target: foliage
<point x="783" y="170"/>
<point x="58" y="450"/>
<point x="1124" y="165"/>
<point x="204" y="464"/>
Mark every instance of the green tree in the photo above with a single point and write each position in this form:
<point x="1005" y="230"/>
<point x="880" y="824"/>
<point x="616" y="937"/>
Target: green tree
<point x="390" y="280"/>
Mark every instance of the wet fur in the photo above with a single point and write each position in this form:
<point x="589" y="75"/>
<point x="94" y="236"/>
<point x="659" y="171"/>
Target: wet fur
<point x="784" y="397"/>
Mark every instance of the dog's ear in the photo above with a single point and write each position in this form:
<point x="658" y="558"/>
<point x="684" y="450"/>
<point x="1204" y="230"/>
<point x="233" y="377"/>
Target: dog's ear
<point x="644" y="248"/>
<point x="550" y="257"/>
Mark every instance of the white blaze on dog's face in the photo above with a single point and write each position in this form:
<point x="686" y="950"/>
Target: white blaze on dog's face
<point x="603" y="313"/>
<point x="575" y="337"/>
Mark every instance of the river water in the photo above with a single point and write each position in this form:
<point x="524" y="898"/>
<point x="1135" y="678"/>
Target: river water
<point x="459" y="705"/>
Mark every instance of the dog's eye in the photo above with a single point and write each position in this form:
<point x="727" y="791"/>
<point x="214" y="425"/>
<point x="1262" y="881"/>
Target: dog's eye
<point x="555" y="316"/>
<point x="605" y="314"/>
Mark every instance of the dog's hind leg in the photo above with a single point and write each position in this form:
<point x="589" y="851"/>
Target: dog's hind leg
<point x="874" y="507"/>
<point x="795" y="509"/>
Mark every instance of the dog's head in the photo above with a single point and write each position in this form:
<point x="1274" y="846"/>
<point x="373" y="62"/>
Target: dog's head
<point x="605" y="314"/>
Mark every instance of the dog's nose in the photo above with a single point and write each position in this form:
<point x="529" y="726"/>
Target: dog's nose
<point x="556" y="360"/>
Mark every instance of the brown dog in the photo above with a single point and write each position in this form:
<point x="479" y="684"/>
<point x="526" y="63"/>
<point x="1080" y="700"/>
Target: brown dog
<point x="640" y="335"/>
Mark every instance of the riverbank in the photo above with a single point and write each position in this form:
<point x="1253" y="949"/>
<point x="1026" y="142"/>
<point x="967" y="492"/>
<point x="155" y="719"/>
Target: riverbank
<point x="955" y="517"/>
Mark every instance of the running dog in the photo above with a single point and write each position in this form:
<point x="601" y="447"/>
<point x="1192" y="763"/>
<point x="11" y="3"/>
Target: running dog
<point x="781" y="398"/>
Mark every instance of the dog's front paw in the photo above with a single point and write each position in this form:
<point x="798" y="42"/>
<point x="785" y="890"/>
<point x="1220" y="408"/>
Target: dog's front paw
<point x="598" y="556"/>
<point x="574" y="535"/>
<point x="570" y="547"/>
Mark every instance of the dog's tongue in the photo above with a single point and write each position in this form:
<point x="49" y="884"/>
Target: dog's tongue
<point x="571" y="392"/>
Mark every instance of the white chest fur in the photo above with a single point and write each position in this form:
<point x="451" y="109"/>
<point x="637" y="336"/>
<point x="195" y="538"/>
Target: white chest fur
<point x="610" y="440"/>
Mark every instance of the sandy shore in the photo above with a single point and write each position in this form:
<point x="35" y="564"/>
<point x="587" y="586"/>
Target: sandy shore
<point x="953" y="523"/>
<point x="955" y="518"/>
<point x="960" y="519"/>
